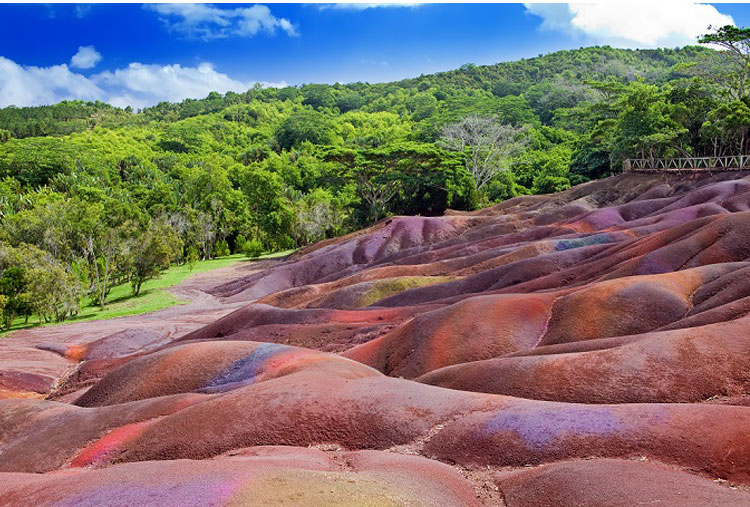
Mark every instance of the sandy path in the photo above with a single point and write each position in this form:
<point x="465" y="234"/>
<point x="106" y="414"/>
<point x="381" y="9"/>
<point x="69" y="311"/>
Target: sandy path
<point x="26" y="367"/>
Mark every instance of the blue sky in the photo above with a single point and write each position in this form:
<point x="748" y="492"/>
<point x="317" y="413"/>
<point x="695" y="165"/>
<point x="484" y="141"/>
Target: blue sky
<point x="140" y="54"/>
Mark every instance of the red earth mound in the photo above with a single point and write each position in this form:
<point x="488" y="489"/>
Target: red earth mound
<point x="613" y="483"/>
<point x="583" y="348"/>
<point x="260" y="476"/>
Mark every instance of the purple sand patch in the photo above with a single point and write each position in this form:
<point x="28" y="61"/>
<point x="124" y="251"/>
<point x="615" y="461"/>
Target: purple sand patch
<point x="653" y="264"/>
<point x="198" y="491"/>
<point x="538" y="427"/>
<point x="243" y="371"/>
<point x="603" y="218"/>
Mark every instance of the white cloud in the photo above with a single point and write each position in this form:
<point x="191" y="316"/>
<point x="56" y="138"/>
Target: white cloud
<point x="208" y="22"/>
<point x="554" y="16"/>
<point x="82" y="10"/>
<point x="138" y="85"/>
<point x="642" y="25"/>
<point x="365" y="6"/>
<point x="86" y="58"/>
<point x="24" y="86"/>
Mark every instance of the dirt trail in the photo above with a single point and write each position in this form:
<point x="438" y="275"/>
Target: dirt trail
<point x="33" y="358"/>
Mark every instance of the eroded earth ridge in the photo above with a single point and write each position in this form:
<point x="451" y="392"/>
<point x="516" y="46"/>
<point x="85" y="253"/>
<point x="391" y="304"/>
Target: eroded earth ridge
<point x="590" y="347"/>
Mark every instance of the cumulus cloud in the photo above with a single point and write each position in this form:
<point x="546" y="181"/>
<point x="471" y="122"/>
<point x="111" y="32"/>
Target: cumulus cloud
<point x="632" y="25"/>
<point x="137" y="85"/>
<point x="140" y="84"/>
<point x="208" y="22"/>
<point x="86" y="58"/>
<point x="26" y="86"/>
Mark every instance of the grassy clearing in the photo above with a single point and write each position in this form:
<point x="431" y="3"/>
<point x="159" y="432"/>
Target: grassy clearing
<point x="153" y="296"/>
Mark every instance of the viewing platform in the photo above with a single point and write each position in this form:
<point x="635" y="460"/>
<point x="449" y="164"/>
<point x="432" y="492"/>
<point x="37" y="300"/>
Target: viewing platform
<point x="687" y="164"/>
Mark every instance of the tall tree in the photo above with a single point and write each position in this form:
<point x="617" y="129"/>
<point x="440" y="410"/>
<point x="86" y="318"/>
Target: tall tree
<point x="13" y="285"/>
<point x="382" y="174"/>
<point x="488" y="145"/>
<point x="152" y="252"/>
<point x="645" y="127"/>
<point x="731" y="69"/>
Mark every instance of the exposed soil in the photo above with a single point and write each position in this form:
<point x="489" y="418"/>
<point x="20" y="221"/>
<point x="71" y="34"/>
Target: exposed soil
<point x="587" y="348"/>
<point x="33" y="361"/>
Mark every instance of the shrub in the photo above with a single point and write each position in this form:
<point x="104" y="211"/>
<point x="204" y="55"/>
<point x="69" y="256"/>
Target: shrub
<point x="253" y="248"/>
<point x="545" y="184"/>
<point x="502" y="186"/>
<point x="191" y="257"/>
<point x="221" y="249"/>
<point x="240" y="243"/>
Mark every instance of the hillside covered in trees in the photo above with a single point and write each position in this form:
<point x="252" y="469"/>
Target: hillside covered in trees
<point x="93" y="196"/>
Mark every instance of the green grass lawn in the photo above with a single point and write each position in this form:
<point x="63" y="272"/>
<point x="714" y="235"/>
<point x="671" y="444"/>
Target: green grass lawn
<point x="153" y="296"/>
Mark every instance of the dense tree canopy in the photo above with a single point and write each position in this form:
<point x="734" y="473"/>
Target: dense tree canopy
<point x="101" y="196"/>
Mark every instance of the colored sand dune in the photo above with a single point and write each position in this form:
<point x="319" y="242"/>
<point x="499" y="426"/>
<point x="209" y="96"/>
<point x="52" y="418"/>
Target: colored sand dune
<point x="583" y="348"/>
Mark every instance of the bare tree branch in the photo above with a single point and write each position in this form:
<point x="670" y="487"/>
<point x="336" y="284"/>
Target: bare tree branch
<point x="488" y="144"/>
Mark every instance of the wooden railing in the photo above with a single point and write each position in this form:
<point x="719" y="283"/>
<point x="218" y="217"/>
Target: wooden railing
<point x="731" y="163"/>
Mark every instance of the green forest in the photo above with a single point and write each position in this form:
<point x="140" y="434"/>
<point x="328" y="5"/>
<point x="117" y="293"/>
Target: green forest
<point x="94" y="197"/>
